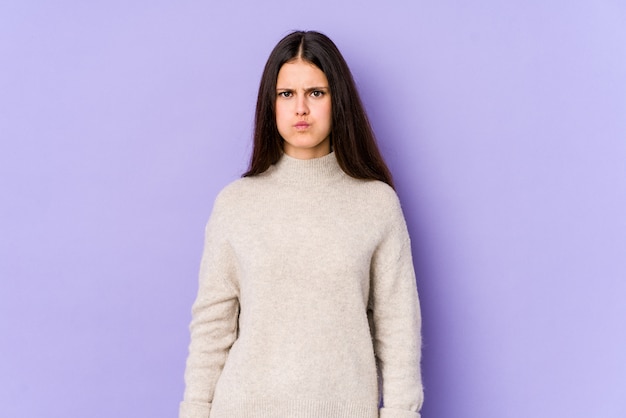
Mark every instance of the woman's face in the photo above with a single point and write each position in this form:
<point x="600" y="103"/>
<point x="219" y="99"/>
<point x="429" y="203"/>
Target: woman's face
<point x="303" y="110"/>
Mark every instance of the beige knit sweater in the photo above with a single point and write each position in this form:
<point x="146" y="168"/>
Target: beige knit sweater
<point x="307" y="289"/>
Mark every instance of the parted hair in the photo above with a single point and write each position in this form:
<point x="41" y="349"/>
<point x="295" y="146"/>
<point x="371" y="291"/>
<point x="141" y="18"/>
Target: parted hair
<point x="352" y="138"/>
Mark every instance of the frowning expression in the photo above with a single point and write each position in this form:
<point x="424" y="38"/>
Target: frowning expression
<point x="303" y="110"/>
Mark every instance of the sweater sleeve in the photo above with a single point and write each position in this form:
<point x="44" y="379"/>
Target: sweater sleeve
<point x="396" y="321"/>
<point x="214" y="320"/>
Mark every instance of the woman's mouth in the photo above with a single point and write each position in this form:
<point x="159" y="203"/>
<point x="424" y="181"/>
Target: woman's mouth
<point x="301" y="126"/>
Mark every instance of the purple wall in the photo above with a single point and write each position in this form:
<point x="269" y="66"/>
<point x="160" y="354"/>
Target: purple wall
<point x="505" y="127"/>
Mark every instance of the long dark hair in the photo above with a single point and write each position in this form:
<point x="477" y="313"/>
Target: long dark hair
<point x="351" y="135"/>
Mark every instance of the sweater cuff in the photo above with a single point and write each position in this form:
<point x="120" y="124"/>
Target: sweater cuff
<point x="398" y="413"/>
<point x="194" y="410"/>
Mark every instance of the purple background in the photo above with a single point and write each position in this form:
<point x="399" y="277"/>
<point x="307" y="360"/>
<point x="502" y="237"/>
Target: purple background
<point x="504" y="125"/>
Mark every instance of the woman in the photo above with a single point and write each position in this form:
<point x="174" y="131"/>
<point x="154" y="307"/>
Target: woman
<point x="307" y="305"/>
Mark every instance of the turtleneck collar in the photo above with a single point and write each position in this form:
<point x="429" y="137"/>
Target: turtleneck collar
<point x="306" y="172"/>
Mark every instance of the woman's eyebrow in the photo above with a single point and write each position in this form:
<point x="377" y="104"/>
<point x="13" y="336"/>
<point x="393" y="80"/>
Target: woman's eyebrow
<point x="306" y="89"/>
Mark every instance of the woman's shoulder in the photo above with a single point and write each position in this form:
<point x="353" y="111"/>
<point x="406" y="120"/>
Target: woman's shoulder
<point x="236" y="191"/>
<point x="374" y="199"/>
<point x="231" y="200"/>
<point x="375" y="192"/>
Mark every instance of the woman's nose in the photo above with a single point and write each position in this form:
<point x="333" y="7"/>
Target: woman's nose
<point x="301" y="106"/>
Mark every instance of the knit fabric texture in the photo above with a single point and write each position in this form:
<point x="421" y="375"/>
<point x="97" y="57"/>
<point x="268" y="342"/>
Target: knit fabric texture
<point x="307" y="304"/>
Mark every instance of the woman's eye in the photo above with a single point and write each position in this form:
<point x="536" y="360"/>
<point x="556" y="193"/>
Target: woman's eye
<point x="317" y="93"/>
<point x="285" y="94"/>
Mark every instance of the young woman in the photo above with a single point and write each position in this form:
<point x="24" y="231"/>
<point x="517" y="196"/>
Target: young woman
<point x="307" y="305"/>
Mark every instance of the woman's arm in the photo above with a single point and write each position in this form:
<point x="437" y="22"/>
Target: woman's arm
<point x="397" y="321"/>
<point x="214" y="320"/>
